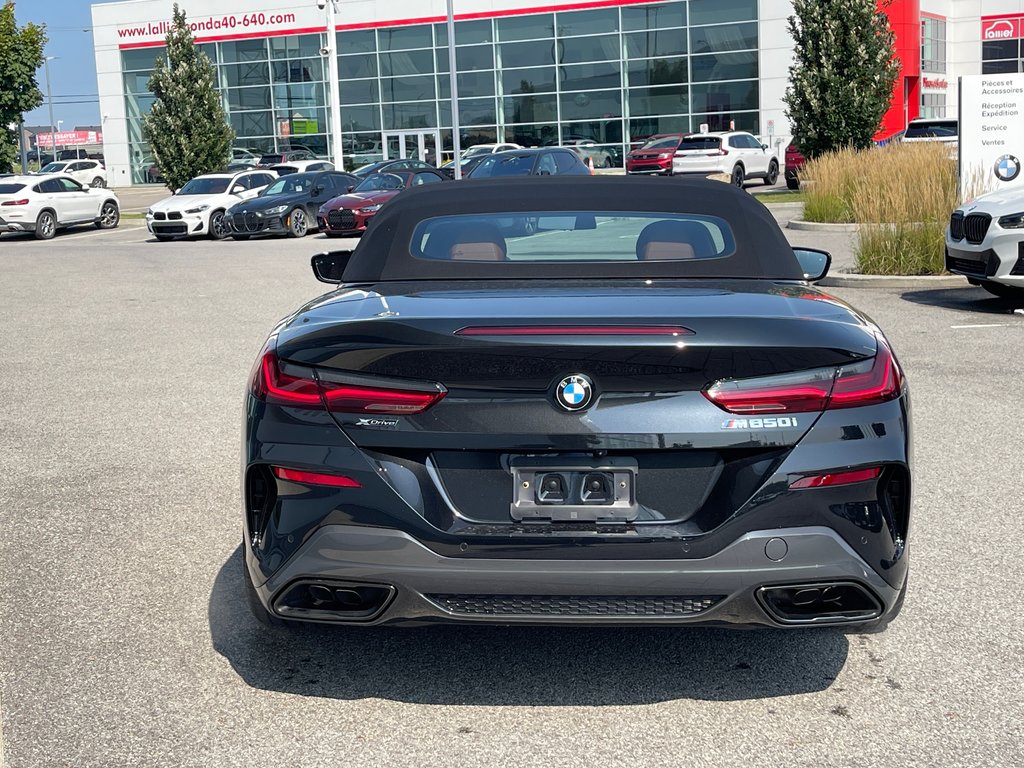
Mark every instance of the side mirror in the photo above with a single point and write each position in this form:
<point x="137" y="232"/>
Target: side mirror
<point x="329" y="267"/>
<point x="237" y="189"/>
<point x="764" y="146"/>
<point x="350" y="187"/>
<point x="177" y="191"/>
<point x="813" y="262"/>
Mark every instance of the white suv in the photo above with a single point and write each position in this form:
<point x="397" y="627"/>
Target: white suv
<point x="197" y="209"/>
<point x="44" y="204"/>
<point x="985" y="243"/>
<point x="88" y="172"/>
<point x="737" y="154"/>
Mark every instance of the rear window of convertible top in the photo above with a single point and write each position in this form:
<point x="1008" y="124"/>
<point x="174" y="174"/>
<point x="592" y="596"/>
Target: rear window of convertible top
<point x="573" y="236"/>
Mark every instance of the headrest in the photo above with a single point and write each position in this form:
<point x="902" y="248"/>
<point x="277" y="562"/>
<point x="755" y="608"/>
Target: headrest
<point x="455" y="241"/>
<point x="670" y="240"/>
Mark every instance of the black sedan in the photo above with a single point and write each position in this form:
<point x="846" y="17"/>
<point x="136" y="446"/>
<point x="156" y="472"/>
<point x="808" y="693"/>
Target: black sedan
<point x="289" y="205"/>
<point x="554" y="161"/>
<point x="641" y="412"/>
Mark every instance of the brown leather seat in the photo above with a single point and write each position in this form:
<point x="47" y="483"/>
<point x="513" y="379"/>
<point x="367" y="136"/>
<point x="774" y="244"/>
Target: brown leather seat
<point x="476" y="241"/>
<point x="675" y="240"/>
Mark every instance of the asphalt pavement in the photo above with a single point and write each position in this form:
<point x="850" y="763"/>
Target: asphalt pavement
<point x="125" y="641"/>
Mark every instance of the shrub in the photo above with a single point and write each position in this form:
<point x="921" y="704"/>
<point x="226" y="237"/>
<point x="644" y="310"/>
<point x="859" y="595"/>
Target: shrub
<point x="901" y="194"/>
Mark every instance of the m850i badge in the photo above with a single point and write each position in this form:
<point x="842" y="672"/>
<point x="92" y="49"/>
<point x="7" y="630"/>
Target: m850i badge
<point x="766" y="422"/>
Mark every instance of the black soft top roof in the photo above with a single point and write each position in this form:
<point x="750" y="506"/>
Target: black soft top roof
<point x="384" y="253"/>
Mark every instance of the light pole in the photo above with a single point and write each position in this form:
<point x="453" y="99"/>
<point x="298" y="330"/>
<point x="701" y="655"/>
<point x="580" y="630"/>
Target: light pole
<point x="454" y="87"/>
<point x="331" y="52"/>
<point x="49" y="99"/>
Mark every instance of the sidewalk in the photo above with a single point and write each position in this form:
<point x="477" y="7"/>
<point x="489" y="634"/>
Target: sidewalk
<point x="138" y="199"/>
<point x="842" y="245"/>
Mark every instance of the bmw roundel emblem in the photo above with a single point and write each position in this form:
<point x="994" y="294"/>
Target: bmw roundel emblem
<point x="1007" y="168"/>
<point x="574" y="392"/>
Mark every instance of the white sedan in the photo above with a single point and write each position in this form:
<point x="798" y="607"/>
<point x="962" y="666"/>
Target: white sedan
<point x="88" y="172"/>
<point x="985" y="243"/>
<point x="197" y="209"/>
<point x="44" y="204"/>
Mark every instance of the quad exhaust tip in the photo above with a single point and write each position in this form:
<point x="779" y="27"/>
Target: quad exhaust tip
<point x="836" y="602"/>
<point x="334" y="601"/>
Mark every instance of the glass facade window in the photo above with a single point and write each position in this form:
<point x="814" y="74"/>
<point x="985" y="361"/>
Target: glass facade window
<point x="612" y="76"/>
<point x="933" y="105"/>
<point x="933" y="45"/>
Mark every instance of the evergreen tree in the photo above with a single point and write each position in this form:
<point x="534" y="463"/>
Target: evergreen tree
<point x="842" y="79"/>
<point x="21" y="54"/>
<point x="186" y="128"/>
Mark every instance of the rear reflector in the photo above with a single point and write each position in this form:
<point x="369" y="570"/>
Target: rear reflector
<point x="837" y="478"/>
<point x="273" y="385"/>
<point x="575" y="330"/>
<point x="870" y="381"/>
<point x="315" y="478"/>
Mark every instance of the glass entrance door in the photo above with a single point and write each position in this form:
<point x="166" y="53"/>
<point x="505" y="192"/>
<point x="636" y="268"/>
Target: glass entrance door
<point x="415" y="145"/>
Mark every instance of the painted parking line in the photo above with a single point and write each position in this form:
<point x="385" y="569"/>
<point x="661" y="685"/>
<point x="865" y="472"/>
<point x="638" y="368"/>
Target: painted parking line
<point x="983" y="325"/>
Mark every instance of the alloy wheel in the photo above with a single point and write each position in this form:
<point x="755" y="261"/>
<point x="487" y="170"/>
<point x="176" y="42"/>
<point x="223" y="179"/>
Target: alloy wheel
<point x="218" y="226"/>
<point x="298" y="225"/>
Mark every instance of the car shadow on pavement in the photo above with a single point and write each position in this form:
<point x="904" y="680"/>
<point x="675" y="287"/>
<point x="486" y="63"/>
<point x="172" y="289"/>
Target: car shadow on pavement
<point x="540" y="666"/>
<point x="966" y="299"/>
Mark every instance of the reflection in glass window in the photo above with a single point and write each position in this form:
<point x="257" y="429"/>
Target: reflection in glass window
<point x="475" y="84"/>
<point x="244" y="50"/>
<point x="248" y="98"/>
<point x="359" y="41"/>
<point x="595" y="22"/>
<point x="658" y="101"/>
<point x="294" y="46"/>
<point x="531" y="135"/>
<point x="641" y="128"/>
<point x="293" y="97"/>
<point x="721" y="11"/>
<point x="724" y="66"/>
<point x="527" y="54"/>
<point x="407" y="88"/>
<point x="533" y="26"/>
<point x="660" y="16"/>
<point x="406" y="63"/>
<point x="354" y="67"/>
<point x="141" y="59"/>
<point x="402" y="38"/>
<point x="534" y="80"/>
<point x="469" y="32"/>
<point x="248" y="73"/>
<point x="474" y="57"/>
<point x="531" y="109"/>
<point x="580" y="106"/>
<point x="299" y="70"/>
<point x="725" y="121"/>
<point x="361" y="118"/>
<point x="410" y="115"/>
<point x="727" y="37"/>
<point x="477" y="112"/>
<point x="725" y="97"/>
<point x="579" y="49"/>
<point x="583" y="77"/>
<point x="657" y="72"/>
<point x="645" y="45"/>
<point x="359" y="92"/>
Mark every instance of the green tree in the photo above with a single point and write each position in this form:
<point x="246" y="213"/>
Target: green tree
<point x="186" y="128"/>
<point x="21" y="54"/>
<point x="842" y="79"/>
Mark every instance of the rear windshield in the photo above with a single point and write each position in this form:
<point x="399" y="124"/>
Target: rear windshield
<point x="669" y="143"/>
<point x="700" y="142"/>
<point x="573" y="236"/>
<point x="205" y="187"/>
<point x="932" y="129"/>
<point x="10" y="189"/>
<point x="271" y="159"/>
<point x="284" y="170"/>
<point x="504" y="164"/>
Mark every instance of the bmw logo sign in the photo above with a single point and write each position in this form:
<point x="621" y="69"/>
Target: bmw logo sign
<point x="574" y="392"/>
<point x="1007" y="168"/>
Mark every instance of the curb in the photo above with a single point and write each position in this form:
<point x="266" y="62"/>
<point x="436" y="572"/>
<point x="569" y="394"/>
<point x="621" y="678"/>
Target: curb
<point x="818" y="226"/>
<point x="857" y="280"/>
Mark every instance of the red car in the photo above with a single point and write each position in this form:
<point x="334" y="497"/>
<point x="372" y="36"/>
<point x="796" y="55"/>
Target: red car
<point x="349" y="214"/>
<point x="794" y="163"/>
<point x="655" y="157"/>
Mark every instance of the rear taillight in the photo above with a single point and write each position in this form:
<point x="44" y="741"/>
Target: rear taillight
<point x="15" y="202"/>
<point x="875" y="380"/>
<point x="315" y="478"/>
<point x="722" y="152"/>
<point x="836" y="478"/>
<point x="300" y="387"/>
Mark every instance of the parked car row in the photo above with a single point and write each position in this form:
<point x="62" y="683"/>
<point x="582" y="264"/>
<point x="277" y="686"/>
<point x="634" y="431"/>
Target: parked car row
<point x="737" y="154"/>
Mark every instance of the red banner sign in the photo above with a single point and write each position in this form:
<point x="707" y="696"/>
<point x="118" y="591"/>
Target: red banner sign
<point x="995" y="28"/>
<point x="69" y="138"/>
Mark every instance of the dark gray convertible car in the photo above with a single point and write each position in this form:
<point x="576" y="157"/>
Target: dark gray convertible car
<point x="636" y="410"/>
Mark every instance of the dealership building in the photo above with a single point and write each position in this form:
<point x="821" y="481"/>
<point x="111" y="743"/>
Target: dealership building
<point x="608" y="71"/>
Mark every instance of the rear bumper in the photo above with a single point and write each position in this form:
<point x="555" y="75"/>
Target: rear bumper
<point x="719" y="589"/>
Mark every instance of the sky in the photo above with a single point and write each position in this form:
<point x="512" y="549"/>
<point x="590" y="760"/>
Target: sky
<point x="73" y="72"/>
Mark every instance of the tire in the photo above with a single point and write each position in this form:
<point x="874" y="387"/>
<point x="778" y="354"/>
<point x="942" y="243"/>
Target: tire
<point x="261" y="614"/>
<point x="793" y="184"/>
<point x="46" y="225"/>
<point x="772" y="175"/>
<point x="236" y="236"/>
<point x="298" y="223"/>
<point x="737" y="177"/>
<point x="219" y="227"/>
<point x="1003" y="291"/>
<point x="98" y="183"/>
<point x="110" y="216"/>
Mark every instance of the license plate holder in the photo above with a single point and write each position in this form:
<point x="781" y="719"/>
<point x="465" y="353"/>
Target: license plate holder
<point x="579" y="499"/>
